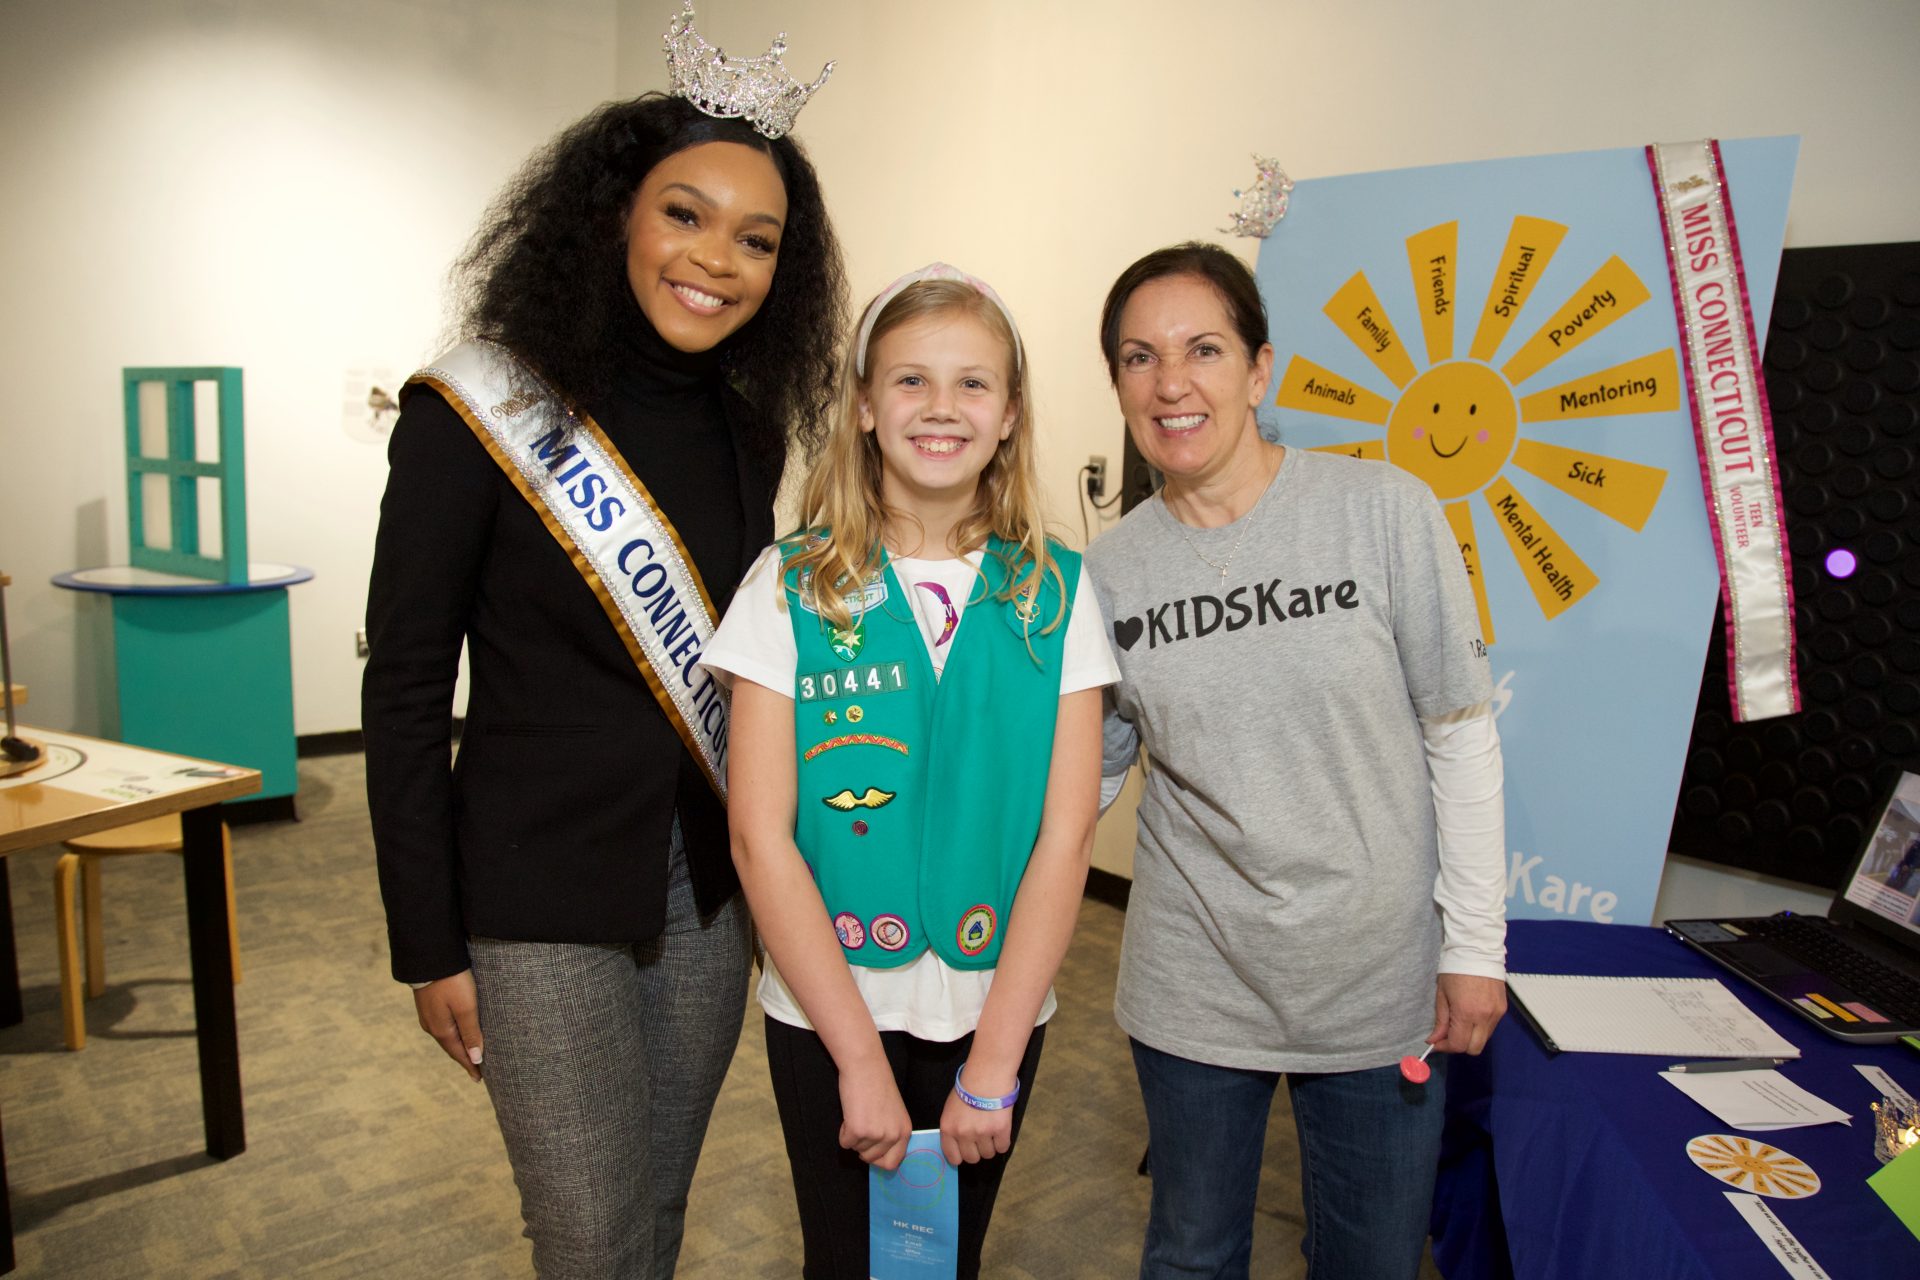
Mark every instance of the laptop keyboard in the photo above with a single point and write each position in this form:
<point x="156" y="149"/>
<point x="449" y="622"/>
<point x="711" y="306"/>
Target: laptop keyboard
<point x="1822" y="948"/>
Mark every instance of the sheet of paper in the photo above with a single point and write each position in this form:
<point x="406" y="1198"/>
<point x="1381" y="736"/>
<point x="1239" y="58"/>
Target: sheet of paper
<point x="1898" y="1183"/>
<point x="1886" y="1084"/>
<point x="1774" y="1234"/>
<point x="1755" y="1100"/>
<point x="913" y="1214"/>
<point x="1673" y="1017"/>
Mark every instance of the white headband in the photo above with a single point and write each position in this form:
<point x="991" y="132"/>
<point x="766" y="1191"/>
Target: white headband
<point x="932" y="271"/>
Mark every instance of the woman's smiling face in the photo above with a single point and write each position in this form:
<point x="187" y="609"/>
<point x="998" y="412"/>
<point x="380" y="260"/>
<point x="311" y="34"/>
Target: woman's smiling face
<point x="1187" y="385"/>
<point x="703" y="239"/>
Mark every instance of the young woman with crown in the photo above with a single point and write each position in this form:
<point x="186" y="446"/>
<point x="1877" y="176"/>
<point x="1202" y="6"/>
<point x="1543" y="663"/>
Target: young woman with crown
<point x="648" y="315"/>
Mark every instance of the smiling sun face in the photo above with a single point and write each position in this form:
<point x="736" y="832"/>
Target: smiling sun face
<point x="1454" y="427"/>
<point x="1457" y="424"/>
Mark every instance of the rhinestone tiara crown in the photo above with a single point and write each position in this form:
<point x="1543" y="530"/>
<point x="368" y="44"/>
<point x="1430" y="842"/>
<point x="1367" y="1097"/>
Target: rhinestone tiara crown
<point x="1262" y="204"/>
<point x="758" y="90"/>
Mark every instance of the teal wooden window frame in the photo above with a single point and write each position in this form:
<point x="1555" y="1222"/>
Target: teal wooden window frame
<point x="184" y="471"/>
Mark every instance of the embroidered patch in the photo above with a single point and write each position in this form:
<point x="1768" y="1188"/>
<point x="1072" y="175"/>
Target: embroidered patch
<point x="844" y="800"/>
<point x="951" y="618"/>
<point x="889" y="932"/>
<point x="856" y="740"/>
<point x="853" y="934"/>
<point x="871" y="596"/>
<point x="976" y="930"/>
<point x="879" y="677"/>
<point x="847" y="642"/>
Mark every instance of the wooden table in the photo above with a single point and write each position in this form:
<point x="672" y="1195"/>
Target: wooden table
<point x="88" y="785"/>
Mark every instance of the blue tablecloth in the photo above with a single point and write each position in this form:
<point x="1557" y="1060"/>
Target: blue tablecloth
<point x="1575" y="1164"/>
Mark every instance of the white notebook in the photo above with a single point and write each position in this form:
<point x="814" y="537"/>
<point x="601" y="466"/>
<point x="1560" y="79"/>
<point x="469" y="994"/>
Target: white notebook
<point x="1672" y="1017"/>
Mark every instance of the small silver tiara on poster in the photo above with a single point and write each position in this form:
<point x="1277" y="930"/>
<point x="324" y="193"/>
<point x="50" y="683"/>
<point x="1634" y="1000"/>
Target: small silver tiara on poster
<point x="757" y="90"/>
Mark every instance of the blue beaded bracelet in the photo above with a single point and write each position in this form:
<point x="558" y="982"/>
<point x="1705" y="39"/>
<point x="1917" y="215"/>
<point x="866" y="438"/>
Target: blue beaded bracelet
<point x="979" y="1103"/>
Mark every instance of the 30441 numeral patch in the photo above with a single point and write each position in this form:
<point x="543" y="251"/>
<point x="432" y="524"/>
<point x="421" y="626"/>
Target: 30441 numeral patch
<point x="877" y="677"/>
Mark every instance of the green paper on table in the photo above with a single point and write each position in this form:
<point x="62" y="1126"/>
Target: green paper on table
<point x="1898" y="1183"/>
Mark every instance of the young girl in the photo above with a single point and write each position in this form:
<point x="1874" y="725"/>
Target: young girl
<point x="914" y="763"/>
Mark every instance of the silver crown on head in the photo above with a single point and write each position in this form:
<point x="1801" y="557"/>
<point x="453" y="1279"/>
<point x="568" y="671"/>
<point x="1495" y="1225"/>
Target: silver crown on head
<point x="1264" y="203"/>
<point x="758" y="90"/>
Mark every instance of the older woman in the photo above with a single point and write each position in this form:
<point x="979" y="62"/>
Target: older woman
<point x="1318" y="882"/>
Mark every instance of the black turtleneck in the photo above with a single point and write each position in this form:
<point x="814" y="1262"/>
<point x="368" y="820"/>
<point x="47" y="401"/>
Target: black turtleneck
<point x="664" y="414"/>
<point x="553" y="825"/>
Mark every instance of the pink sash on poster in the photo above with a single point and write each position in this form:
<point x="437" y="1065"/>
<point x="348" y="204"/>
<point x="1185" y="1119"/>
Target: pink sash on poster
<point x="1731" y="424"/>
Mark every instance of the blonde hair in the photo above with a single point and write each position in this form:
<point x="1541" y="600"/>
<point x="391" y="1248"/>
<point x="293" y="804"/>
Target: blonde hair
<point x="843" y="516"/>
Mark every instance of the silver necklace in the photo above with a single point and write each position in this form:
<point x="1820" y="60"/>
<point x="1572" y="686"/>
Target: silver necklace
<point x="1246" y="523"/>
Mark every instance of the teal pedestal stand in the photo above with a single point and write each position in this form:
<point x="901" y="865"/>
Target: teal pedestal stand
<point x="204" y="668"/>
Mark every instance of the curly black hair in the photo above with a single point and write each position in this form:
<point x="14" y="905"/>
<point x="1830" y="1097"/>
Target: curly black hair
<point x="546" y="275"/>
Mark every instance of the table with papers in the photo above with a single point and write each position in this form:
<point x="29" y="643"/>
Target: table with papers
<point x="1576" y="1164"/>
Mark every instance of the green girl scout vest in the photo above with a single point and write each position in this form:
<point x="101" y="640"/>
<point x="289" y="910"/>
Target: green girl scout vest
<point x="919" y="801"/>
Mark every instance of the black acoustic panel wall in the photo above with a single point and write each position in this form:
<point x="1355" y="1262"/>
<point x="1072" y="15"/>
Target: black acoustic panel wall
<point x="1794" y="796"/>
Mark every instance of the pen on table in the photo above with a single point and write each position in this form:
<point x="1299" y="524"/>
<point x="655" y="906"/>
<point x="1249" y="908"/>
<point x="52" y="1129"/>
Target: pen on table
<point x="1725" y="1064"/>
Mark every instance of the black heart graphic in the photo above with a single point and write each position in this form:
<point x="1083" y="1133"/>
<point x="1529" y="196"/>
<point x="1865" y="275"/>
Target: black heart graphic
<point x="1128" y="631"/>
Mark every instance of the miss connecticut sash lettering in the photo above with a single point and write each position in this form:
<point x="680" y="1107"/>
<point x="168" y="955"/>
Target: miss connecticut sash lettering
<point x="1731" y="424"/>
<point x="608" y="524"/>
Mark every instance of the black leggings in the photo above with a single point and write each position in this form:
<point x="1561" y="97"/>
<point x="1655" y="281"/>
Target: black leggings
<point x="830" y="1182"/>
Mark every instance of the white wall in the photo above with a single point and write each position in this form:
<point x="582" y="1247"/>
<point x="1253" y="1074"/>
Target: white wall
<point x="281" y="186"/>
<point x="272" y="185"/>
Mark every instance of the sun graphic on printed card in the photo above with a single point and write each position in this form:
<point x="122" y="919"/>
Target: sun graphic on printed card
<point x="1461" y="422"/>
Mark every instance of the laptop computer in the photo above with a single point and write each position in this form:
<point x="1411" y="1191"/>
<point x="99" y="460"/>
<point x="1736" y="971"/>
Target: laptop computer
<point x="1855" y="972"/>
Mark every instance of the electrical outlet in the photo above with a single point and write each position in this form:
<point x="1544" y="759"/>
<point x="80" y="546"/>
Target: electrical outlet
<point x="360" y="643"/>
<point x="1096" y="474"/>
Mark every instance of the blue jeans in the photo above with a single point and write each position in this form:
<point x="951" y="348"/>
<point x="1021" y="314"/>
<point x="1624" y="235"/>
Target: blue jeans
<point x="1369" y="1148"/>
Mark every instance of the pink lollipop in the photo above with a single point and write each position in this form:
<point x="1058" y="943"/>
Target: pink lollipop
<point x="1415" y="1069"/>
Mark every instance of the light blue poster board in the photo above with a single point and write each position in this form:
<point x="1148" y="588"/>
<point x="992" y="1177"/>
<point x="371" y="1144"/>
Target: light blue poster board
<point x="913" y="1214"/>
<point x="1505" y="330"/>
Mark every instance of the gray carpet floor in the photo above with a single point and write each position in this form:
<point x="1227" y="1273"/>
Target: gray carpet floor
<point x="369" y="1154"/>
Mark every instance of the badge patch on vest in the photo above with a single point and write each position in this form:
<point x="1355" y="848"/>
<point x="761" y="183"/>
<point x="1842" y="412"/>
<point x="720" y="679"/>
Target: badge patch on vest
<point x="976" y="930"/>
<point x="845" y="800"/>
<point x="871" y="596"/>
<point x="856" y="740"/>
<point x="889" y="932"/>
<point x="879" y="677"/>
<point x="853" y="934"/>
<point x="847" y="642"/>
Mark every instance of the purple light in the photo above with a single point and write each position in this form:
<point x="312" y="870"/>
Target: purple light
<point x="1841" y="563"/>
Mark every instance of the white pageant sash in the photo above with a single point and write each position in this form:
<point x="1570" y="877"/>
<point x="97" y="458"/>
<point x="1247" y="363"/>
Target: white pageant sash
<point x="603" y="517"/>
<point x="1731" y="424"/>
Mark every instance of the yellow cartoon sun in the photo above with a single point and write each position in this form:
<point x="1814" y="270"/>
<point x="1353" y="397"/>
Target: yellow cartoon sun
<point x="1457" y="424"/>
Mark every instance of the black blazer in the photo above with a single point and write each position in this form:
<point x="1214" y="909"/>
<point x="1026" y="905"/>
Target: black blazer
<point x="553" y="826"/>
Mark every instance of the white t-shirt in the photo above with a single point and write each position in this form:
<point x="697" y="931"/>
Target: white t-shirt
<point x="925" y="997"/>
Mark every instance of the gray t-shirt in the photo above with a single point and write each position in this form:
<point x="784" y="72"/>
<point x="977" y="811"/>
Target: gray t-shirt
<point x="1282" y="914"/>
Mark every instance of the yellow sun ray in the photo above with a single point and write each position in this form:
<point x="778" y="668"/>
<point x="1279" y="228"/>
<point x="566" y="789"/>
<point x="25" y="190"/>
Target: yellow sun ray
<point x="1431" y="255"/>
<point x="1647" y="385"/>
<point x="1558" y="578"/>
<point x="1307" y="386"/>
<point x="1356" y="311"/>
<point x="1608" y="294"/>
<point x="1622" y="490"/>
<point x="1371" y="450"/>
<point x="1460" y="517"/>
<point x="1530" y="247"/>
